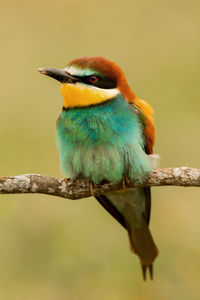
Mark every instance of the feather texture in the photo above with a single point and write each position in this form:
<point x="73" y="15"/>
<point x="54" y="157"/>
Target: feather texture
<point x="103" y="142"/>
<point x="108" y="134"/>
<point x="107" y="142"/>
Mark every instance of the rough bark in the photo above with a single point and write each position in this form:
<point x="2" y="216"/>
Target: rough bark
<point x="82" y="188"/>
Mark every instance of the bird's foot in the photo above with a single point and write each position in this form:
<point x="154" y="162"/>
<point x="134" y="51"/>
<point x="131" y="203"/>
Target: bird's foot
<point x="91" y="188"/>
<point x="127" y="180"/>
<point x="124" y="182"/>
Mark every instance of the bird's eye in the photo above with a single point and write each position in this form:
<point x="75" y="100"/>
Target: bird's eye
<point x="93" y="78"/>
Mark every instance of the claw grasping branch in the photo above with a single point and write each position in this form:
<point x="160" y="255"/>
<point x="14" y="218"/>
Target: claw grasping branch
<point x="77" y="189"/>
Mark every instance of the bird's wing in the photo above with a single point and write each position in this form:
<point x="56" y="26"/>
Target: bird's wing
<point x="140" y="237"/>
<point x="104" y="201"/>
<point x="146" y="116"/>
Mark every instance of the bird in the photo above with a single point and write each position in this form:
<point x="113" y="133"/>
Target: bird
<point x="106" y="133"/>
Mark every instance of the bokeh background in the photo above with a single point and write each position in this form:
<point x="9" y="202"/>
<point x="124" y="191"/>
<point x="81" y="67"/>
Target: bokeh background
<point x="53" y="248"/>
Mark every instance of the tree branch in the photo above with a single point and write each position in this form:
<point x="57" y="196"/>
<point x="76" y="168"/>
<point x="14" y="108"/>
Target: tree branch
<point x="81" y="188"/>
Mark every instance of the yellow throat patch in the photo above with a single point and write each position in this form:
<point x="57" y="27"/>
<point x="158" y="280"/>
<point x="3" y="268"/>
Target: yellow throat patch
<point x="79" y="94"/>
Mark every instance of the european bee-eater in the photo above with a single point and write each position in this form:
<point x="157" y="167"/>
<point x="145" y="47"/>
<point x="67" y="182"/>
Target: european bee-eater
<point x="107" y="133"/>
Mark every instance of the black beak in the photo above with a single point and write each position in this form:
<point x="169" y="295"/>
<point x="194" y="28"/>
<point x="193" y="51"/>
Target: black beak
<point x="59" y="75"/>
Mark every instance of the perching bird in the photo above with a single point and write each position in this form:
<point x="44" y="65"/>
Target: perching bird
<point x="106" y="133"/>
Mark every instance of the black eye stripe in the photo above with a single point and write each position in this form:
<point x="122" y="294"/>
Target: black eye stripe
<point x="104" y="83"/>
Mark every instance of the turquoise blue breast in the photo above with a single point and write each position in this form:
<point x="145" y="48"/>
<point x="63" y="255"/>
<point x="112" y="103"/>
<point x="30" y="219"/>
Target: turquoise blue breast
<point x="102" y="142"/>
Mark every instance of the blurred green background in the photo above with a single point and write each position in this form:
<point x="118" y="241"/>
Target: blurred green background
<point x="53" y="248"/>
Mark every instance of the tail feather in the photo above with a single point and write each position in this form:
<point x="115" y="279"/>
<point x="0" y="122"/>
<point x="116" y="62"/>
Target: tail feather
<point x="144" y="271"/>
<point x="142" y="244"/>
<point x="131" y="208"/>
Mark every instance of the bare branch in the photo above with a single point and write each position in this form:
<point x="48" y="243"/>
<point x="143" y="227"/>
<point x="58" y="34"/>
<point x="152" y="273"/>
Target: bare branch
<point x="81" y="188"/>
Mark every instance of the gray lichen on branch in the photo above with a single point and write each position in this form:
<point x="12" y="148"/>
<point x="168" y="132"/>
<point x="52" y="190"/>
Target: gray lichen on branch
<point x="81" y="188"/>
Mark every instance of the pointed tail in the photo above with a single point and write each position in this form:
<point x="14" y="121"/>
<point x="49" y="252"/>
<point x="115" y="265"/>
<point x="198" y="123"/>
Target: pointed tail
<point x="142" y="244"/>
<point x="131" y="208"/>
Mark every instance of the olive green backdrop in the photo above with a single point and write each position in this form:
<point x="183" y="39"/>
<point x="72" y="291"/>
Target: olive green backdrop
<point x="53" y="248"/>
